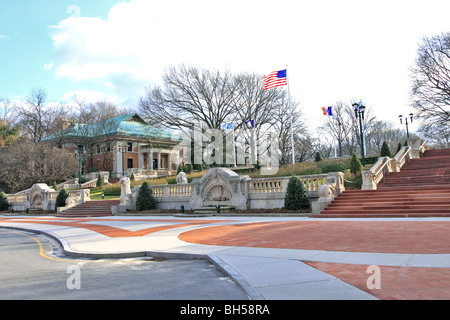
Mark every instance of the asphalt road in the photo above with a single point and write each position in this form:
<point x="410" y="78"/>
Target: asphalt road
<point x="32" y="267"/>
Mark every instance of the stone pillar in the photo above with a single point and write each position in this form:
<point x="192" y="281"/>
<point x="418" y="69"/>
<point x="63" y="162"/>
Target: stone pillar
<point x="150" y="159"/>
<point x="140" y="157"/>
<point x="159" y="161"/>
<point x="368" y="180"/>
<point x="330" y="190"/>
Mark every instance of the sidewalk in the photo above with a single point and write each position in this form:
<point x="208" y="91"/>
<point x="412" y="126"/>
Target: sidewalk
<point x="284" y="269"/>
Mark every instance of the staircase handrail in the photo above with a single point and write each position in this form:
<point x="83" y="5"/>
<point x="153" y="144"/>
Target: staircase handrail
<point x="406" y="152"/>
<point x="383" y="166"/>
<point x="385" y="161"/>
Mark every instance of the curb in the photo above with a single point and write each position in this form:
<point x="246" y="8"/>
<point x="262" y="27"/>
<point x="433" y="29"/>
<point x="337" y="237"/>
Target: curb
<point x="215" y="260"/>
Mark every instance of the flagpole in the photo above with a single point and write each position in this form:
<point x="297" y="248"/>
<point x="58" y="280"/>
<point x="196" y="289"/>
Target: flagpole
<point x="234" y="146"/>
<point x="334" y="138"/>
<point x="290" y="111"/>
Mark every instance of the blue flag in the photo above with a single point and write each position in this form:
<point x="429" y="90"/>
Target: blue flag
<point x="227" y="126"/>
<point x="250" y="123"/>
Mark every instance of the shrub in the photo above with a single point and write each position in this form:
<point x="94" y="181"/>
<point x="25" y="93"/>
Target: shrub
<point x="318" y="157"/>
<point x="100" y="181"/>
<point x="187" y="168"/>
<point x="399" y="147"/>
<point x="55" y="186"/>
<point x="385" y="152"/>
<point x="4" y="205"/>
<point x="132" y="177"/>
<point x="61" y="198"/>
<point x="297" y="197"/>
<point x="145" y="199"/>
<point x="355" y="165"/>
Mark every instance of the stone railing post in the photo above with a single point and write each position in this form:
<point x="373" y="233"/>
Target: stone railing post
<point x="328" y="191"/>
<point x="368" y="179"/>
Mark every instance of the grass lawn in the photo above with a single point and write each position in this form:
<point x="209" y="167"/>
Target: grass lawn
<point x="97" y="195"/>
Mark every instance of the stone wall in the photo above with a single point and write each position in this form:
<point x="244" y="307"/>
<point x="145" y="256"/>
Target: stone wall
<point x="222" y="186"/>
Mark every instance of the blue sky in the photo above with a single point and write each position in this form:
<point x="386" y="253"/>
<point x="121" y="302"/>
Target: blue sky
<point x="335" y="50"/>
<point x="26" y="46"/>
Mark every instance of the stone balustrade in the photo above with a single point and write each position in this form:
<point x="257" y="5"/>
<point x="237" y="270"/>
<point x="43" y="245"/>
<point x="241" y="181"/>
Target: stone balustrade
<point x="383" y="166"/>
<point x="42" y="197"/>
<point x="268" y="185"/>
<point x="239" y="191"/>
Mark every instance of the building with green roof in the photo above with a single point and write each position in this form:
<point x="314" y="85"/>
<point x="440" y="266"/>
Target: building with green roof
<point x="122" y="145"/>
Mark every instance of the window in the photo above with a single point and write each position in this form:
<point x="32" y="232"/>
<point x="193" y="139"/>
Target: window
<point x="130" y="147"/>
<point x="98" y="148"/>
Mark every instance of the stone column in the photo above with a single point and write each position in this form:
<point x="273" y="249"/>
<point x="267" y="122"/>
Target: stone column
<point x="150" y="159"/>
<point x="159" y="161"/>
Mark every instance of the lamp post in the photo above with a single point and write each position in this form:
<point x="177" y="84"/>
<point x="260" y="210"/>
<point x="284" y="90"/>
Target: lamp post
<point x="80" y="156"/>
<point x="406" y="123"/>
<point x="359" y="114"/>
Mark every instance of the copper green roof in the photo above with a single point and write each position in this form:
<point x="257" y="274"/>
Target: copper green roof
<point x="131" y="125"/>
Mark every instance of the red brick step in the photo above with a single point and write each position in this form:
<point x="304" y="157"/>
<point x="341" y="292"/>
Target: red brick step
<point x="94" y="208"/>
<point x="420" y="189"/>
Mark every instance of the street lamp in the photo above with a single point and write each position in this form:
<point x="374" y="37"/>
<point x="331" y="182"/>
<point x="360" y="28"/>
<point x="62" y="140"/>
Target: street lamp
<point x="80" y="156"/>
<point x="406" y="123"/>
<point x="359" y="114"/>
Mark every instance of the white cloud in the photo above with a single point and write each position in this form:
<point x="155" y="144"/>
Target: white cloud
<point x="4" y="37"/>
<point x="90" y="96"/>
<point x="336" y="50"/>
<point x="48" y="66"/>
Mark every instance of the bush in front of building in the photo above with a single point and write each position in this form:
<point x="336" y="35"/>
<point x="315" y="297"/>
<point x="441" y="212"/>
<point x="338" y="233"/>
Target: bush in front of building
<point x="296" y="197"/>
<point x="4" y="205"/>
<point x="61" y="198"/>
<point x="145" y="199"/>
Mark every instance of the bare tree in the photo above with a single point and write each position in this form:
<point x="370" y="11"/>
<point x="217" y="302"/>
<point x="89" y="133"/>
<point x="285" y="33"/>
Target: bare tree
<point x="336" y="126"/>
<point x="282" y="125"/>
<point x="190" y="95"/>
<point x="37" y="119"/>
<point x="25" y="163"/>
<point x="431" y="81"/>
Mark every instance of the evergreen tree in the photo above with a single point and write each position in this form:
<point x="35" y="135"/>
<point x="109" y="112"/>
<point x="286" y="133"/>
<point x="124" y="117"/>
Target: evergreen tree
<point x="385" y="152"/>
<point x="187" y="168"/>
<point x="100" y="181"/>
<point x="55" y="186"/>
<point x="296" y="197"/>
<point x="145" y="199"/>
<point x="4" y="205"/>
<point x="61" y="198"/>
<point x="399" y="147"/>
<point x="318" y="157"/>
<point x="355" y="165"/>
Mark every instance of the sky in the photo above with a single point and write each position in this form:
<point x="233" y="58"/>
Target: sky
<point x="346" y="50"/>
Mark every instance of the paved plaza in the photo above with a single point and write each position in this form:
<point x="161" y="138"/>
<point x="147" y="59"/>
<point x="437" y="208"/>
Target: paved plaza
<point x="276" y="257"/>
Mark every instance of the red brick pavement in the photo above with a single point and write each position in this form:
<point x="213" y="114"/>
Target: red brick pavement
<point x="405" y="283"/>
<point x="421" y="237"/>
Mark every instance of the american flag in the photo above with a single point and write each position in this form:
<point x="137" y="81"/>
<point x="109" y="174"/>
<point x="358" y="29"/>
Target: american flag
<point x="275" y="79"/>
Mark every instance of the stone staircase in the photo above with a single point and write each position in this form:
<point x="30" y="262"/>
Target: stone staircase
<point x="93" y="208"/>
<point x="420" y="189"/>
